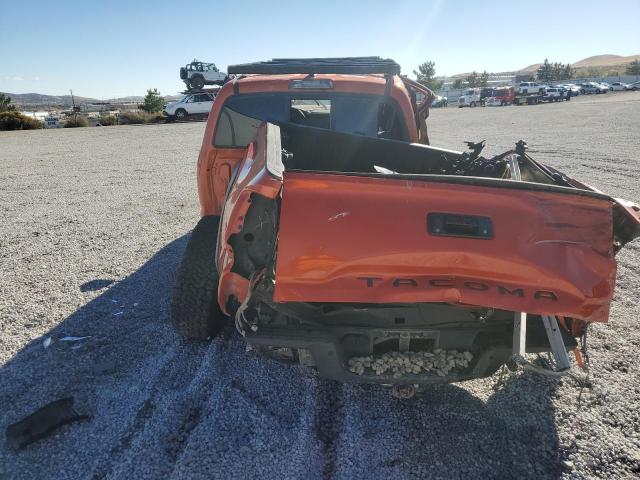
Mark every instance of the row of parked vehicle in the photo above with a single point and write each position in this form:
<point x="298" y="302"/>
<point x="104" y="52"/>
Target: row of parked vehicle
<point x="532" y="92"/>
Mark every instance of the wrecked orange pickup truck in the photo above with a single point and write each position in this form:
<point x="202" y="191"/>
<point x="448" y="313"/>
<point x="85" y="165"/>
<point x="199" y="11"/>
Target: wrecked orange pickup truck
<point x="336" y="237"/>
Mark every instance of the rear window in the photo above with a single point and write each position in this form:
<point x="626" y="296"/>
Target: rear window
<point x="365" y="115"/>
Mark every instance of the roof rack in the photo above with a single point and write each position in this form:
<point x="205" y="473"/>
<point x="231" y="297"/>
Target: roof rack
<point x="345" y="65"/>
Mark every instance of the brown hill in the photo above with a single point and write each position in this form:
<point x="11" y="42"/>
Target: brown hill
<point x="607" y="60"/>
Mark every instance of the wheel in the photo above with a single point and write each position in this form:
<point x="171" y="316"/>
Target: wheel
<point x="473" y="104"/>
<point x="181" y="114"/>
<point x="197" y="82"/>
<point x="525" y="91"/>
<point x="195" y="313"/>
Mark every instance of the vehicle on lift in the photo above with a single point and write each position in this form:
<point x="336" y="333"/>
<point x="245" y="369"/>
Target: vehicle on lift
<point x="197" y="74"/>
<point x="334" y="236"/>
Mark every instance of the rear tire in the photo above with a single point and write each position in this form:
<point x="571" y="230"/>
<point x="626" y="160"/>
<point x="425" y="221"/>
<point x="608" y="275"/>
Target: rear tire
<point x="195" y="313"/>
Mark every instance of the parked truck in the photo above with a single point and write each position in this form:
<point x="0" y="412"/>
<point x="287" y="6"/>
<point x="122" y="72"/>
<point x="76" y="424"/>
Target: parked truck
<point x="334" y="236"/>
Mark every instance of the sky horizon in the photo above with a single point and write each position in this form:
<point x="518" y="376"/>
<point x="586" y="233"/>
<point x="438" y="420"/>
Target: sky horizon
<point x="117" y="48"/>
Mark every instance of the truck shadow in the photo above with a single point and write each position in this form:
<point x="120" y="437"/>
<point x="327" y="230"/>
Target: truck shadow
<point x="360" y="431"/>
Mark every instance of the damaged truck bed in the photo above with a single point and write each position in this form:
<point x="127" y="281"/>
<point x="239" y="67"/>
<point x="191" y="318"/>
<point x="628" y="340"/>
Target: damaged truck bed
<point x="324" y="259"/>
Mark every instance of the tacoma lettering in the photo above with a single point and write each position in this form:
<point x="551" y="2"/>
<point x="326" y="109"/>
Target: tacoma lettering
<point x="404" y="282"/>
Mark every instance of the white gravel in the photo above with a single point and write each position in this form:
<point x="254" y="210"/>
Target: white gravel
<point x="115" y="204"/>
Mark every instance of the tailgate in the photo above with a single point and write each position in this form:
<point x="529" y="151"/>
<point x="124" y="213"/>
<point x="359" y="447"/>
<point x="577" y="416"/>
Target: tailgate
<point x="379" y="239"/>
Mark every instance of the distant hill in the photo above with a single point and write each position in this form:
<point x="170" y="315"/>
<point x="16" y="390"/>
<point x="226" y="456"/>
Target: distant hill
<point x="38" y="99"/>
<point x="600" y="62"/>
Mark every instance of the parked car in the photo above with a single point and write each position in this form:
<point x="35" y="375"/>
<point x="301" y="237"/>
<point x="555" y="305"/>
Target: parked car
<point x="634" y="86"/>
<point x="501" y="96"/>
<point x="620" y="86"/>
<point x="197" y="74"/>
<point x="439" y="102"/>
<point x="555" y="94"/>
<point x="531" y="87"/>
<point x="572" y="88"/>
<point x="592" y="87"/>
<point x="606" y="85"/>
<point x="377" y="261"/>
<point x="470" y="98"/>
<point x="191" y="104"/>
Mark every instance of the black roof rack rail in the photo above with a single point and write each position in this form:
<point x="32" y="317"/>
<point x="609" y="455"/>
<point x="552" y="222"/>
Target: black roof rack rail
<point x="346" y="65"/>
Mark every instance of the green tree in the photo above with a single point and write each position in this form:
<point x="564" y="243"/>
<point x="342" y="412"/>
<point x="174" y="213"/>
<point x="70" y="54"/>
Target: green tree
<point x="5" y="103"/>
<point x="425" y="75"/>
<point x="545" y="71"/>
<point x="472" y="79"/>
<point x="458" y="83"/>
<point x="568" y="72"/>
<point x="633" y="68"/>
<point x="153" y="101"/>
<point x="483" y="79"/>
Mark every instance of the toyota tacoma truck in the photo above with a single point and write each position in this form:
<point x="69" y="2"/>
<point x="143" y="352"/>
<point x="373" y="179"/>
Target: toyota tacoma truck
<point x="333" y="235"/>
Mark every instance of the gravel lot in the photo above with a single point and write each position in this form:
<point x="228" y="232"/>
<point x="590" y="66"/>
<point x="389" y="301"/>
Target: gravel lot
<point x="94" y="222"/>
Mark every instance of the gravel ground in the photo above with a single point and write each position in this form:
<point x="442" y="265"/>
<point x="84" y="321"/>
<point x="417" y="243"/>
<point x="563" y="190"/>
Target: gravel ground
<point x="94" y="222"/>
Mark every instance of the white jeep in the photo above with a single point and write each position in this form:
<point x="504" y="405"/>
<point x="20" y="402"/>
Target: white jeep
<point x="198" y="74"/>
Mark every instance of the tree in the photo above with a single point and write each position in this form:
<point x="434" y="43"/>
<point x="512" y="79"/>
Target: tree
<point x="458" y="83"/>
<point x="545" y="71"/>
<point x="483" y="79"/>
<point x="568" y="72"/>
<point x="633" y="68"/>
<point x="153" y="101"/>
<point x="5" y="103"/>
<point x="425" y="75"/>
<point x="472" y="79"/>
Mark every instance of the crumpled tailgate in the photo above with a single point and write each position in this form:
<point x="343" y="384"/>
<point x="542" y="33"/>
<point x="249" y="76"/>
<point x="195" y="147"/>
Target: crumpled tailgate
<point x="368" y="239"/>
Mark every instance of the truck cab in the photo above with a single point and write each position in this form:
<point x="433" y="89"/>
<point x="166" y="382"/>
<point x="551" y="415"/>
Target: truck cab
<point x="470" y="98"/>
<point x="380" y="105"/>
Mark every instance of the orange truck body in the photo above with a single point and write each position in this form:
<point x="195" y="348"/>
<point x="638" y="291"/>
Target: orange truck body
<point x="349" y="235"/>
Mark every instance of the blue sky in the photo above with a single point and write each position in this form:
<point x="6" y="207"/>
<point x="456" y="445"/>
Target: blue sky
<point x="114" y="48"/>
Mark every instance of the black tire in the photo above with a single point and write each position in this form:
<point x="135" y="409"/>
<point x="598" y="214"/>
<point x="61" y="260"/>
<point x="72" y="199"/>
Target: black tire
<point x="473" y="104"/>
<point x="195" y="313"/>
<point x="197" y="82"/>
<point x="181" y="114"/>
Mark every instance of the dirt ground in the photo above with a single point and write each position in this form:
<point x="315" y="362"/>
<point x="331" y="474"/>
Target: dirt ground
<point x="94" y="222"/>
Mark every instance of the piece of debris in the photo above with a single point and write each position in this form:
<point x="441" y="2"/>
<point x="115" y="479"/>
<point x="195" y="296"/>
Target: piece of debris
<point x="73" y="339"/>
<point x="567" y="465"/>
<point x="439" y="362"/>
<point x="47" y="342"/>
<point x="117" y="313"/>
<point x="42" y="422"/>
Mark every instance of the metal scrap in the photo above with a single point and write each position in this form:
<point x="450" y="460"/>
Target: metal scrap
<point x="42" y="423"/>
